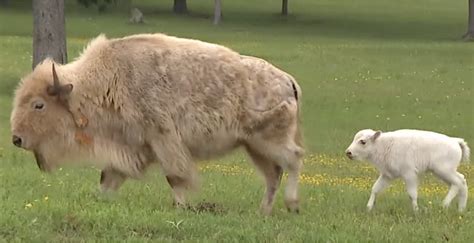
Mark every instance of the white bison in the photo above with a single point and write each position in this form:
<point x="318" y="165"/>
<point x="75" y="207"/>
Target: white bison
<point x="407" y="153"/>
<point x="151" y="98"/>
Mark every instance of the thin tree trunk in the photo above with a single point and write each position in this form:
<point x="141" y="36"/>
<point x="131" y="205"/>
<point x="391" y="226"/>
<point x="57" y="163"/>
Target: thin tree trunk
<point x="49" y="32"/>
<point x="180" y="7"/>
<point x="284" y="7"/>
<point x="217" y="11"/>
<point x="470" y="23"/>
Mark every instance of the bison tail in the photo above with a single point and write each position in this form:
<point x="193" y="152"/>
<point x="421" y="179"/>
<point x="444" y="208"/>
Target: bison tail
<point x="299" y="140"/>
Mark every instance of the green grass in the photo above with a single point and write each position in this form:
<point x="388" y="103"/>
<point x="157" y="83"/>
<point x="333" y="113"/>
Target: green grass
<point x="378" y="64"/>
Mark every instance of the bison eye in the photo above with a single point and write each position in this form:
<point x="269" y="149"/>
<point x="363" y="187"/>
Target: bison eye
<point x="38" y="105"/>
<point x="362" y="142"/>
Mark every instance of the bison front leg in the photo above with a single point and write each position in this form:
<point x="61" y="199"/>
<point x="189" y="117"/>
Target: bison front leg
<point x="111" y="180"/>
<point x="178" y="185"/>
<point x="176" y="164"/>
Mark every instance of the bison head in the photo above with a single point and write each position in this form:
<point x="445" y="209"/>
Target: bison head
<point x="40" y="119"/>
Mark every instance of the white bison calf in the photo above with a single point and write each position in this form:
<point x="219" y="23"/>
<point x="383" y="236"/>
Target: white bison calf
<point x="407" y="153"/>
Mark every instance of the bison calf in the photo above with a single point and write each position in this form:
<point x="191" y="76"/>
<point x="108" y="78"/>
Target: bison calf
<point x="134" y="101"/>
<point x="407" y="153"/>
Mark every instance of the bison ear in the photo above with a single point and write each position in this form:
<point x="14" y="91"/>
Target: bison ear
<point x="57" y="89"/>
<point x="66" y="89"/>
<point x="376" y="135"/>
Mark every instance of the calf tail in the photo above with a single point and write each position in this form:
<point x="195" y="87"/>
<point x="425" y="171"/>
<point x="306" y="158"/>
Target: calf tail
<point x="465" y="150"/>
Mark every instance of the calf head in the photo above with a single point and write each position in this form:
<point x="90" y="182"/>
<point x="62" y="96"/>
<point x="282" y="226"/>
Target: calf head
<point x="363" y="144"/>
<point x="40" y="119"/>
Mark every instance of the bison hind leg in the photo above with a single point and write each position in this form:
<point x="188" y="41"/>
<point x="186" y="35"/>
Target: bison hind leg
<point x="293" y="166"/>
<point x="272" y="173"/>
<point x="274" y="157"/>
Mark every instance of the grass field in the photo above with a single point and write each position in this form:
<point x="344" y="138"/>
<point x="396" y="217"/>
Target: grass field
<point x="379" y="64"/>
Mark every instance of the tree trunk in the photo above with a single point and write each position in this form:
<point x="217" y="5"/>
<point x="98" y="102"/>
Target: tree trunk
<point x="180" y="7"/>
<point x="217" y="11"/>
<point x="49" y="32"/>
<point x="284" y="7"/>
<point x="4" y="3"/>
<point x="470" y="23"/>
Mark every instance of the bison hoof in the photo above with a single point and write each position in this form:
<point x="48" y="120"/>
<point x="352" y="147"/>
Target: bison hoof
<point x="293" y="210"/>
<point x="106" y="195"/>
<point x="106" y="191"/>
<point x="265" y="210"/>
<point x="293" y="206"/>
<point x="179" y="205"/>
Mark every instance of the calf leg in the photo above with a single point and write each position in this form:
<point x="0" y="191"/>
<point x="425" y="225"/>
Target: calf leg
<point x="379" y="185"/>
<point x="111" y="180"/>
<point x="272" y="173"/>
<point x="457" y="184"/>
<point x="411" y="181"/>
<point x="463" y="193"/>
<point x="453" y="191"/>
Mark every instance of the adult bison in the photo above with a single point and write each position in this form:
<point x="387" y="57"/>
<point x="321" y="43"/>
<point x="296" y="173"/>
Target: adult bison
<point x="151" y="98"/>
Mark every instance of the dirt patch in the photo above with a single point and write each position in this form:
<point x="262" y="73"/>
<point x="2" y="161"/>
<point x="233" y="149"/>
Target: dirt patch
<point x="207" y="207"/>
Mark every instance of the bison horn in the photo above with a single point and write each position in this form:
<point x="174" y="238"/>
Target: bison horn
<point x="55" y="78"/>
<point x="54" y="89"/>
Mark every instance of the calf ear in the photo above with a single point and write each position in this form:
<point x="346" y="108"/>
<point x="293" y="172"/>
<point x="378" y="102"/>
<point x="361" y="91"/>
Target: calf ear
<point x="376" y="135"/>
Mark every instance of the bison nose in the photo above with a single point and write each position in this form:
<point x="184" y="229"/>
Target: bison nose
<point x="16" y="141"/>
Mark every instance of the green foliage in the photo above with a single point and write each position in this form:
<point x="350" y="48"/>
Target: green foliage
<point x="368" y="63"/>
